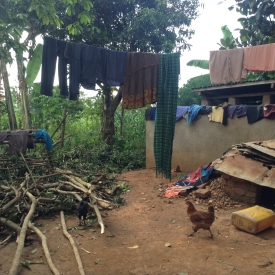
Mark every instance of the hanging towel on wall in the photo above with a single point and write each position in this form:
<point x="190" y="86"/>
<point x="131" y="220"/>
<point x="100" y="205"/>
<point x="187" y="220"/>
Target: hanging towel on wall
<point x="181" y="111"/>
<point x="141" y="80"/>
<point x="193" y="112"/>
<point x="231" y="110"/>
<point x="112" y="67"/>
<point x="205" y="110"/>
<point x="217" y="114"/>
<point x="240" y="111"/>
<point x="53" y="48"/>
<point x="226" y="66"/>
<point x="254" y="113"/>
<point x="260" y="58"/>
<point x="169" y="71"/>
<point x="269" y="110"/>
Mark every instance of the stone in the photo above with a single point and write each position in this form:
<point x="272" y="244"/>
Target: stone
<point x="202" y="193"/>
<point x="204" y="185"/>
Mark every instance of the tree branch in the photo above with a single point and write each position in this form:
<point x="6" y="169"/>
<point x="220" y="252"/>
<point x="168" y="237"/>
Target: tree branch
<point x="70" y="238"/>
<point x="45" y="248"/>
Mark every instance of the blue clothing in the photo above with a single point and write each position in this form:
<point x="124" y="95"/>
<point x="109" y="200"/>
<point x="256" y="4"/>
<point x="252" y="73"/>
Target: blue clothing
<point x="205" y="110"/>
<point x="42" y="134"/>
<point x="52" y="49"/>
<point x="240" y="111"/>
<point x="193" y="112"/>
<point x="90" y="61"/>
<point x="181" y="111"/>
<point x="73" y="52"/>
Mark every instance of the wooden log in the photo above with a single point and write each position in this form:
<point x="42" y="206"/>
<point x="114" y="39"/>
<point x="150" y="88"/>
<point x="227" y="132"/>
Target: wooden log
<point x="10" y="203"/>
<point x="22" y="236"/>
<point x="45" y="248"/>
<point x="73" y="244"/>
<point x="11" y="225"/>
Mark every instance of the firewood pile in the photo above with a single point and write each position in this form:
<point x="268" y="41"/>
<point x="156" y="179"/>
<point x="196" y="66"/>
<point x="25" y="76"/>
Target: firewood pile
<point x="218" y="198"/>
<point x="22" y="201"/>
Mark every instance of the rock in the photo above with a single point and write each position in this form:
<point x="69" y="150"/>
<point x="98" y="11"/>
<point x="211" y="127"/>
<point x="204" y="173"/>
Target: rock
<point x="204" y="185"/>
<point x="184" y="193"/>
<point x="202" y="193"/>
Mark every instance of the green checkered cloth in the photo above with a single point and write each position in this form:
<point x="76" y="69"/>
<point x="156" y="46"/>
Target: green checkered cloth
<point x="169" y="70"/>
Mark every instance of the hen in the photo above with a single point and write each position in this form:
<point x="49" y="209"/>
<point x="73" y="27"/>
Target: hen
<point x="200" y="219"/>
<point x="82" y="210"/>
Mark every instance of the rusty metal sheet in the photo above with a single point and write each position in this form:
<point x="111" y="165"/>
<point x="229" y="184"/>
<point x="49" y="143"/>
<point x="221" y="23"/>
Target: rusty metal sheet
<point x="245" y="168"/>
<point x="269" y="144"/>
<point x="265" y="150"/>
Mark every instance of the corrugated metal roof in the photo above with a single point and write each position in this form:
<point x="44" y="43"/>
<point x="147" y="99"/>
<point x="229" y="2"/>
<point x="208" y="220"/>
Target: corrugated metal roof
<point x="203" y="82"/>
<point x="251" y="161"/>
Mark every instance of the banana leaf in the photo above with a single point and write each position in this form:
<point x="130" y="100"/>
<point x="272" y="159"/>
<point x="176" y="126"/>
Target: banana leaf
<point x="34" y="64"/>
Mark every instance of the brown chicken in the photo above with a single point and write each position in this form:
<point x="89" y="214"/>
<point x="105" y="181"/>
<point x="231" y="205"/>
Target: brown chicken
<point x="200" y="219"/>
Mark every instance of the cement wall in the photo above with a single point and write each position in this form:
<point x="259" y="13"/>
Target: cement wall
<point x="202" y="141"/>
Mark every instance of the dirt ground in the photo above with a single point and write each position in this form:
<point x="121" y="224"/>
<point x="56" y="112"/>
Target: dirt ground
<point x="136" y="235"/>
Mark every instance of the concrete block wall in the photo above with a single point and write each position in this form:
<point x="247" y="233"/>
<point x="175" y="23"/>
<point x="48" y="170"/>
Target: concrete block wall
<point x="241" y="190"/>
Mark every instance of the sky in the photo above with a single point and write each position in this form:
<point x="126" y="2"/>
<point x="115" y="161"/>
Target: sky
<point x="207" y="34"/>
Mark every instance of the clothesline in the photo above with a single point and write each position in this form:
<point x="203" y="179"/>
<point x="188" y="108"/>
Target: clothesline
<point x="88" y="65"/>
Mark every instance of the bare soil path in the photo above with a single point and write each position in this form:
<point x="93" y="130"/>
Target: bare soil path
<point x="135" y="238"/>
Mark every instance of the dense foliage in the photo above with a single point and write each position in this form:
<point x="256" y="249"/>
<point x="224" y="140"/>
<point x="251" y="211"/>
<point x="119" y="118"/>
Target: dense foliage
<point x="257" y="21"/>
<point x="83" y="149"/>
<point x="187" y="96"/>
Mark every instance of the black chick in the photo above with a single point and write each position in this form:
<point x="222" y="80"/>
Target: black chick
<point x="82" y="210"/>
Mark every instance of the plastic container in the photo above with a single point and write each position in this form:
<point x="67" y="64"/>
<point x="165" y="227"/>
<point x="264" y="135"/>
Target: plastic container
<point x="253" y="219"/>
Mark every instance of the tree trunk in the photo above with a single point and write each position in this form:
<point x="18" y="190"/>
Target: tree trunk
<point x="108" y="120"/>
<point x="63" y="128"/>
<point x="26" y="115"/>
<point x="8" y="97"/>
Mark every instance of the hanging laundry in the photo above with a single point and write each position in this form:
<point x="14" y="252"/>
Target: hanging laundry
<point x="269" y="110"/>
<point x="254" y="113"/>
<point x="231" y="110"/>
<point x="18" y="141"/>
<point x="112" y="67"/>
<point x="193" y="112"/>
<point x="169" y="70"/>
<point x="226" y="66"/>
<point x="141" y="80"/>
<point x="150" y="113"/>
<point x="42" y="134"/>
<point x="205" y="110"/>
<point x="217" y="114"/>
<point x="53" y="48"/>
<point x="260" y="58"/>
<point x="90" y="62"/>
<point x="73" y="52"/>
<point x="181" y="111"/>
<point x="240" y="111"/>
<point x="225" y="114"/>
